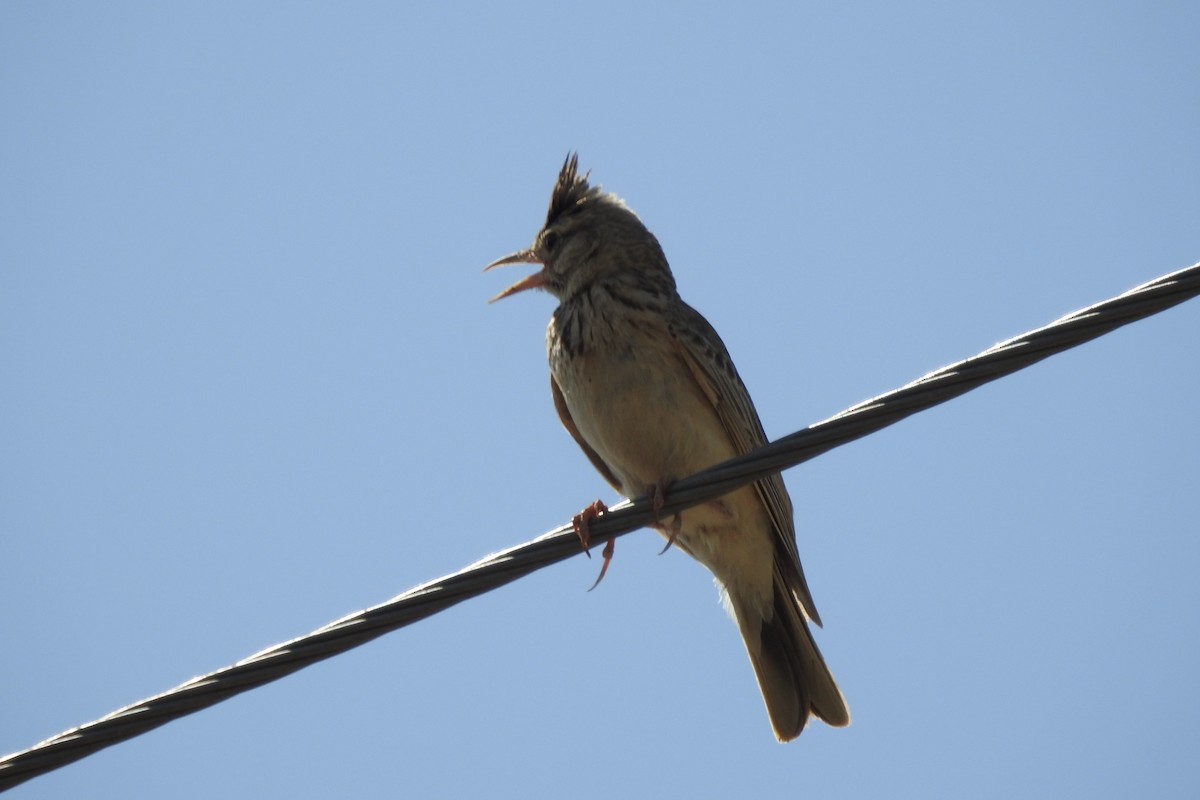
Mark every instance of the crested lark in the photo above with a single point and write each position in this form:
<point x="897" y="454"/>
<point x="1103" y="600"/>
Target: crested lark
<point x="647" y="389"/>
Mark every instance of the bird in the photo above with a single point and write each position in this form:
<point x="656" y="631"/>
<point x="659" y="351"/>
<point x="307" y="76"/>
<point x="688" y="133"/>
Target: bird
<point x="648" y="390"/>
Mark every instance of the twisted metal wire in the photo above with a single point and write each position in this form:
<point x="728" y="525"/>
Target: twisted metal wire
<point x="509" y="565"/>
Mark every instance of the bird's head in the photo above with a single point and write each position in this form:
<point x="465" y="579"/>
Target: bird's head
<point x="589" y="236"/>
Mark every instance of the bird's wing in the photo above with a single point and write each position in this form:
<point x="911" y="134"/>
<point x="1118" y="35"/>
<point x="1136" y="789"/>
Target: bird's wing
<point x="564" y="416"/>
<point x="707" y="359"/>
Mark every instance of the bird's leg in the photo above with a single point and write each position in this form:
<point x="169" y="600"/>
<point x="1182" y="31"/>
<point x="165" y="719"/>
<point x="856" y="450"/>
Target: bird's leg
<point x="658" y="496"/>
<point x="581" y="522"/>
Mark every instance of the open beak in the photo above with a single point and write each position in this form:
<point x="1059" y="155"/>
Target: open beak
<point x="534" y="281"/>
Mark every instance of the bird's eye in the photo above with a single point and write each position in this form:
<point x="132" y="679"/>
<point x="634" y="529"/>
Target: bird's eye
<point x="550" y="241"/>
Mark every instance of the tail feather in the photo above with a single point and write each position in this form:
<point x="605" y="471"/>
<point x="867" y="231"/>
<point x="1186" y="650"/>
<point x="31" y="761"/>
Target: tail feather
<point x="792" y="675"/>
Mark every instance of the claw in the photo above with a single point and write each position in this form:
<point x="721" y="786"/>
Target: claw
<point x="676" y="527"/>
<point x="658" y="494"/>
<point x="607" y="553"/>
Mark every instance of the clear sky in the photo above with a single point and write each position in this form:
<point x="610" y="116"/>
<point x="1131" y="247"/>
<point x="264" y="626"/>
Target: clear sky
<point x="249" y="383"/>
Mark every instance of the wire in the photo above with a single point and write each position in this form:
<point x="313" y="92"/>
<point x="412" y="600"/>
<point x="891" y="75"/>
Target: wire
<point x="504" y="567"/>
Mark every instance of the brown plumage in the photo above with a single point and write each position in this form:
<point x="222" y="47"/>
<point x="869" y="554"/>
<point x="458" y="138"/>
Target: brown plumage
<point x="647" y="389"/>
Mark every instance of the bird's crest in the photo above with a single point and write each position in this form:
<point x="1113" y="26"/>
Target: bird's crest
<point x="571" y="192"/>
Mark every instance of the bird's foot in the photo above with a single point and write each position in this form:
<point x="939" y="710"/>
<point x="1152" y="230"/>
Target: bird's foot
<point x="581" y="523"/>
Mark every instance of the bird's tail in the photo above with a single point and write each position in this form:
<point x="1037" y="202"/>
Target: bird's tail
<point x="791" y="672"/>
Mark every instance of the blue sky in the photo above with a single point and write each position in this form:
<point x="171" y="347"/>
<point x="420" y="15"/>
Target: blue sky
<point x="251" y="384"/>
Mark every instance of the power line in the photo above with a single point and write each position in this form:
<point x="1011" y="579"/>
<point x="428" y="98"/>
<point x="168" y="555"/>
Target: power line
<point x="501" y="568"/>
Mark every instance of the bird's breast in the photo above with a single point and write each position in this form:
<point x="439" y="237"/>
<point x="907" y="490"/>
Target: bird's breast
<point x="638" y="406"/>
